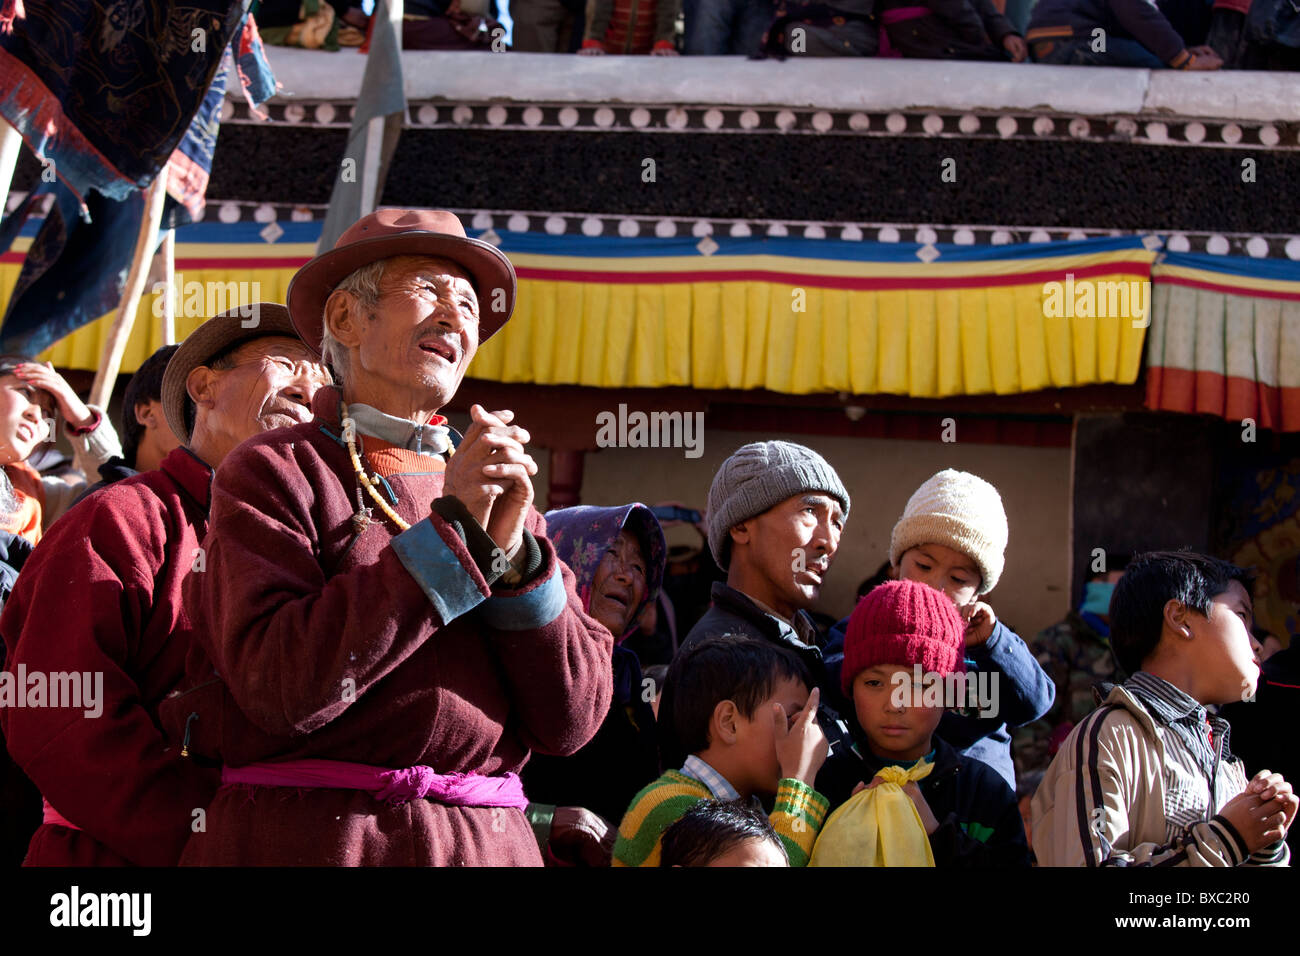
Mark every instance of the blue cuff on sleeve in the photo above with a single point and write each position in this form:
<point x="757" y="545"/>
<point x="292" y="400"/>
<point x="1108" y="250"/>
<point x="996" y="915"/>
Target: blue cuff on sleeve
<point x="529" y="611"/>
<point x="436" y="568"/>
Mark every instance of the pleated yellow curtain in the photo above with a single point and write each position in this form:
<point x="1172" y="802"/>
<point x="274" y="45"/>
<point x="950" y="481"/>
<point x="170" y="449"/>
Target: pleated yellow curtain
<point x="925" y="342"/>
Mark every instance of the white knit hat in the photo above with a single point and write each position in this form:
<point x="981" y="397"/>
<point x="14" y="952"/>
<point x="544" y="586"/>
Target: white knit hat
<point x="960" y="511"/>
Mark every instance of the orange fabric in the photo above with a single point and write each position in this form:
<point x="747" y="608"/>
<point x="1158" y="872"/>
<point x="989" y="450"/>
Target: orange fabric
<point x="26" y="521"/>
<point x="386" y="459"/>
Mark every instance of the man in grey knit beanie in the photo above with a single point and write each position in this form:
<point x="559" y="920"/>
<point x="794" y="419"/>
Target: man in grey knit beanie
<point x="775" y="513"/>
<point x="759" y="476"/>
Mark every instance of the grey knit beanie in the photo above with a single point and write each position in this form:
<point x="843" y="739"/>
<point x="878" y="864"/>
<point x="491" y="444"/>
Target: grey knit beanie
<point x="758" y="476"/>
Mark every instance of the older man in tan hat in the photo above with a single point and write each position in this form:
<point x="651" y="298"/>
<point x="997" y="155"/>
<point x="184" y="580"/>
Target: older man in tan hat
<point x="100" y="598"/>
<point x="392" y="630"/>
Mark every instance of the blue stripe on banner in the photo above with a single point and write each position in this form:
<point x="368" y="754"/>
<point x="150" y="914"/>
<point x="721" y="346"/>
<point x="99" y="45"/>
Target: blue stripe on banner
<point x="437" y="570"/>
<point x="833" y="249"/>
<point x="529" y="611"/>
<point x="246" y="231"/>
<point x="1279" y="269"/>
<point x="612" y="247"/>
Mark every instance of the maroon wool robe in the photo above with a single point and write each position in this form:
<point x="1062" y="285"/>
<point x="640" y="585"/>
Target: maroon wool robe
<point x="329" y="647"/>
<point x="102" y="593"/>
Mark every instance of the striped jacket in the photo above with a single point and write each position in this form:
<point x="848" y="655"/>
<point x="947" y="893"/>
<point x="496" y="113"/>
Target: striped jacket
<point x="1119" y="793"/>
<point x="797" y="816"/>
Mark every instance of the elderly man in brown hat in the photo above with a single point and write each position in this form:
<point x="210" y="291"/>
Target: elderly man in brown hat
<point x="100" y="599"/>
<point x="392" y="631"/>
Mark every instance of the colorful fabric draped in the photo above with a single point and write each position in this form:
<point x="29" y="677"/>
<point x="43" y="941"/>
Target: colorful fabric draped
<point x="794" y="316"/>
<point x="106" y="92"/>
<point x="1225" y="339"/>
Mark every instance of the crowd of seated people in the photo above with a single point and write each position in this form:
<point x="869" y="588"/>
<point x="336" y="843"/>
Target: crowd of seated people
<point x="1178" y="34"/>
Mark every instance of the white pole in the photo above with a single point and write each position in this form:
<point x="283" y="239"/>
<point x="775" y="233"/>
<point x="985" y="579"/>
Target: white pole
<point x="370" y="165"/>
<point x="11" y="144"/>
<point x="168" y="252"/>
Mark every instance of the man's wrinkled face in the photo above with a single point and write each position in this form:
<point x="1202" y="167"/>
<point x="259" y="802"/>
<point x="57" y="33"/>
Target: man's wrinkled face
<point x="270" y="385"/>
<point x="789" y="548"/>
<point x="424" y="328"/>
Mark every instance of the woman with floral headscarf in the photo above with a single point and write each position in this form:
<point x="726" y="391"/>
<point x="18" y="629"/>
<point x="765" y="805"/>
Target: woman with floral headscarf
<point x="617" y="556"/>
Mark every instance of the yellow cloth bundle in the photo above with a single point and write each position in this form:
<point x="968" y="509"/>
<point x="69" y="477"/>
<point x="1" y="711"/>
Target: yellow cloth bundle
<point x="877" y="827"/>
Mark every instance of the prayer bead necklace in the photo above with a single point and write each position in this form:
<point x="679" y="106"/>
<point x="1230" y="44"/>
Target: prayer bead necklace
<point x="361" y="520"/>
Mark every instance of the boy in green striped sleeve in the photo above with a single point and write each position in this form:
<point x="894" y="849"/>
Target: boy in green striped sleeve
<point x="743" y="710"/>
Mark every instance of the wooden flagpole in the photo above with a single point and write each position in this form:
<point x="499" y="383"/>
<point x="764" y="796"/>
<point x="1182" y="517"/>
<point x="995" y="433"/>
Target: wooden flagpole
<point x="111" y="358"/>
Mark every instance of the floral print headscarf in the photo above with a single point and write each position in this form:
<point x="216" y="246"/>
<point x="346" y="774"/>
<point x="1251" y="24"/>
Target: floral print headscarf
<point x="582" y="534"/>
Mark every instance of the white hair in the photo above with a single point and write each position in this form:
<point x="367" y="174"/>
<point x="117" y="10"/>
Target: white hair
<point x="363" y="284"/>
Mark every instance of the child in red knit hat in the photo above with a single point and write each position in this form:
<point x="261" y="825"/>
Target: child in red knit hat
<point x="903" y="664"/>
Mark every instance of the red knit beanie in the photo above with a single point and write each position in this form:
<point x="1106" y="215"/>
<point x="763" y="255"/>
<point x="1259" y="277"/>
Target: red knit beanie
<point x="904" y="623"/>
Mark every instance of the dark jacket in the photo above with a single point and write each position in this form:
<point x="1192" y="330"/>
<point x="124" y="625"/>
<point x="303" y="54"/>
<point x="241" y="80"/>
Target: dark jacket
<point x="110" y="472"/>
<point x="980" y="826"/>
<point x="953" y="30"/>
<point x="20" y="801"/>
<point x="1137" y="20"/>
<point x="1025" y="693"/>
<point x="1258" y="737"/>
<point x="734" y="613"/>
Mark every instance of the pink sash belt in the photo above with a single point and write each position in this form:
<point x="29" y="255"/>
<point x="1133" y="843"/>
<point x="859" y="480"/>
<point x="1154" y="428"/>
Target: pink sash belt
<point x="889" y="18"/>
<point x="54" y="817"/>
<point x="393" y="787"/>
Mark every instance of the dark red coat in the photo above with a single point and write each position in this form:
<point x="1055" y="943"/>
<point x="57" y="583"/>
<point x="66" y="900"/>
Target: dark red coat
<point x="102" y="593"/>
<point x="328" y="647"/>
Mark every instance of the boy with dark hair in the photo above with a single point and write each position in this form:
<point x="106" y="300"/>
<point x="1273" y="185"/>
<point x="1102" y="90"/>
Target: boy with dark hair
<point x="722" y="833"/>
<point x="1148" y="779"/>
<point x="742" y="709"/>
<point x="146" y="437"/>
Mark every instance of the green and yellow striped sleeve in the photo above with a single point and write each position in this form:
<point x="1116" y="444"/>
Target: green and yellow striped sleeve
<point x="654" y="810"/>
<point x="797" y="817"/>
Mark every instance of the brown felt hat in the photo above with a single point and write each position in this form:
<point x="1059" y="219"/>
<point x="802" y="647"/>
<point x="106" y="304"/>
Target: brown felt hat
<point x="403" y="232"/>
<point x="217" y="335"/>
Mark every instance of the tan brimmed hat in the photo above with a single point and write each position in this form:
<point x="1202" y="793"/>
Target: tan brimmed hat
<point x="403" y="232"/>
<point x="215" y="336"/>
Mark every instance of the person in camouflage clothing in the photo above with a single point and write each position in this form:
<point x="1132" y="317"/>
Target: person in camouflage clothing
<point x="1076" y="654"/>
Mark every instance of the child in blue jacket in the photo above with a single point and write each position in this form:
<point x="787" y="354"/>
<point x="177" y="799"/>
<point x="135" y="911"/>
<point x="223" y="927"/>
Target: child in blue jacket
<point x="952" y="536"/>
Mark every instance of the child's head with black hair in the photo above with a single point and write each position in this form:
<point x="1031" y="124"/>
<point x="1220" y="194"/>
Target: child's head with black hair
<point x="722" y="833"/>
<point x="724" y="695"/>
<point x="146" y="436"/>
<point x="1186" y="618"/>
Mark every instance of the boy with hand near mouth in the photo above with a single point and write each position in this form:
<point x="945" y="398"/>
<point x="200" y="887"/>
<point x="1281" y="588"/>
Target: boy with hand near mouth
<point x="743" y="710"/>
<point x="1148" y="779"/>
<point x="952" y="536"/>
<point x="969" y="814"/>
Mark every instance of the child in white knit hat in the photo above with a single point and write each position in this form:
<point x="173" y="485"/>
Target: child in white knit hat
<point x="952" y="536"/>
